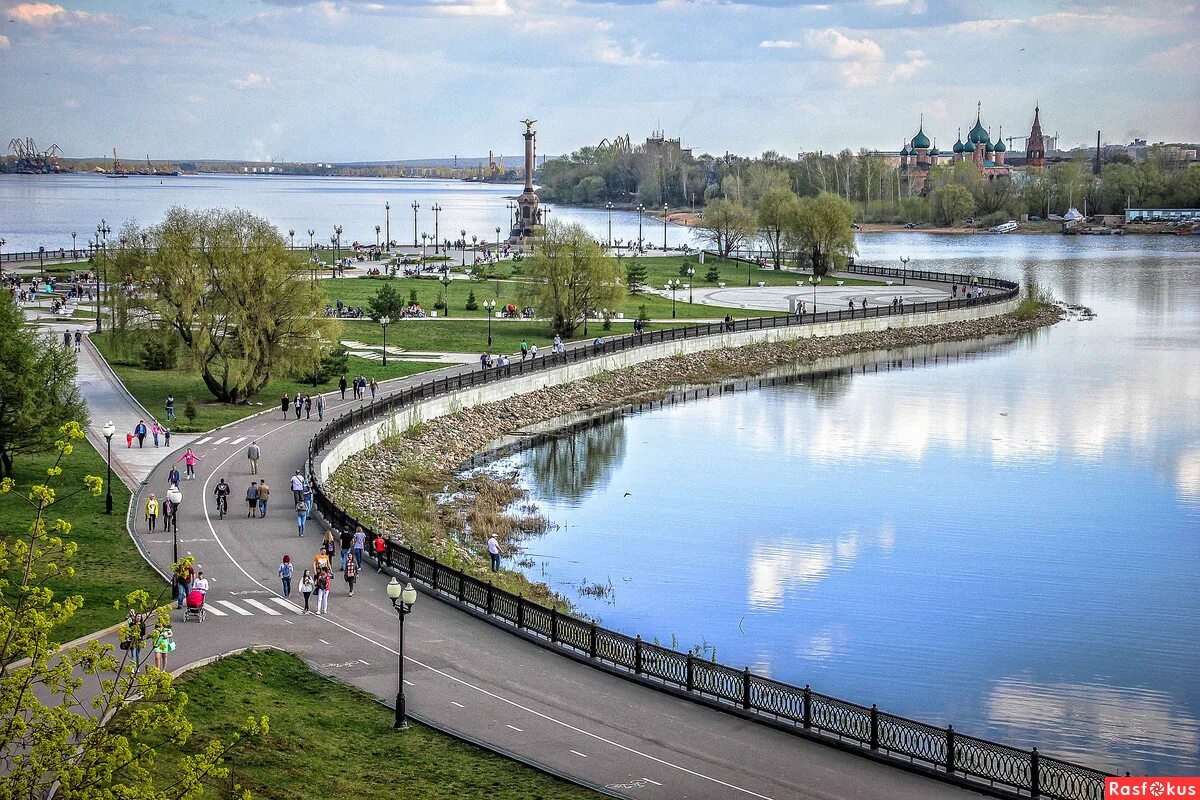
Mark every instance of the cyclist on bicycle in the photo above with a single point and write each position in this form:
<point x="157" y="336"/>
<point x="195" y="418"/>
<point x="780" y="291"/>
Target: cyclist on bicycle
<point x="222" y="493"/>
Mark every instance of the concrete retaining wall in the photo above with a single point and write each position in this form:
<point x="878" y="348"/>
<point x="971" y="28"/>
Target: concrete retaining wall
<point x="369" y="435"/>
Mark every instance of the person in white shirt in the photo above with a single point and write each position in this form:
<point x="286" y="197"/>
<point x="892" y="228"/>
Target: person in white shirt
<point x="297" y="487"/>
<point x="200" y="584"/>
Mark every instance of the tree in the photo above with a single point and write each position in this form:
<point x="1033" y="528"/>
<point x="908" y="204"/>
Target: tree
<point x="37" y="388"/>
<point x="243" y="308"/>
<point x="826" y="232"/>
<point x="472" y="303"/>
<point x="779" y="219"/>
<point x="713" y="275"/>
<point x="386" y="302"/>
<point x="571" y="278"/>
<point x="635" y="275"/>
<point x="726" y="225"/>
<point x="80" y="720"/>
<point x="953" y="202"/>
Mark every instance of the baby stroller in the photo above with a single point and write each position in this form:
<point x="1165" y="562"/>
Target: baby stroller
<point x="195" y="606"/>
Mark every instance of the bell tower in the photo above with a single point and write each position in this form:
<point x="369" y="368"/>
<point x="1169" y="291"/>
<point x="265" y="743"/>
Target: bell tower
<point x="1035" y="146"/>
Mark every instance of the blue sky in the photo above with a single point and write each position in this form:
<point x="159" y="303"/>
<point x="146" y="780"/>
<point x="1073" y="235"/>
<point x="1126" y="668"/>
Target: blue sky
<point x="390" y="79"/>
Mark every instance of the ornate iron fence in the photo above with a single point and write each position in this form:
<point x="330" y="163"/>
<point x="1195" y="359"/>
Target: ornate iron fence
<point x="965" y="759"/>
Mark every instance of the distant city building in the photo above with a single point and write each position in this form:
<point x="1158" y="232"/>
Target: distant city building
<point x="1161" y="214"/>
<point x="919" y="156"/>
<point x="1035" y="145"/>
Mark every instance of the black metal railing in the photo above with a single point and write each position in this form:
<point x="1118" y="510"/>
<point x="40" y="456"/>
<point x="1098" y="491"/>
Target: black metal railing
<point x="952" y="755"/>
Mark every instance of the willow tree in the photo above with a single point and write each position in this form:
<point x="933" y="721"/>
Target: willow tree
<point x="826" y="231"/>
<point x="571" y="279"/>
<point x="243" y="307"/>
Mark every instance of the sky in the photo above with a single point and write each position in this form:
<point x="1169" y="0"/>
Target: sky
<point x="329" y="80"/>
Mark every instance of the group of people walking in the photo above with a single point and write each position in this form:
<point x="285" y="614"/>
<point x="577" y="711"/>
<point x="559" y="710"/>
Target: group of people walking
<point x="305" y="403"/>
<point x="318" y="582"/>
<point x="361" y="385"/>
<point x="141" y="431"/>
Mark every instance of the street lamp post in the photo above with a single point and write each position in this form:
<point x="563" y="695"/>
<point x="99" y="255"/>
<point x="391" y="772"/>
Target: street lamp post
<point x="109" y="429"/>
<point x="73" y="235"/>
<point x="376" y="237"/>
<point x="474" y="248"/>
<point x="673" y="284"/>
<point x="664" y="229"/>
<point x="102" y="232"/>
<point x="640" y="209"/>
<point x="387" y="225"/>
<point x="904" y="269"/>
<point x="176" y="497"/>
<point x="403" y="600"/>
<point x="691" y="282"/>
<point x="385" y="321"/>
<point x="292" y="237"/>
<point x="437" y="209"/>
<point x="497" y="241"/>
<point x="415" y="207"/>
<point x="488" y="305"/>
<point x="815" y="279"/>
<point x="42" y="259"/>
<point x="609" y="206"/>
<point x="424" y="244"/>
<point x="94" y="246"/>
<point x="445" y="279"/>
<point x="332" y="241"/>
<point x="463" y="234"/>
<point x="337" y="230"/>
<point x="310" y="239"/>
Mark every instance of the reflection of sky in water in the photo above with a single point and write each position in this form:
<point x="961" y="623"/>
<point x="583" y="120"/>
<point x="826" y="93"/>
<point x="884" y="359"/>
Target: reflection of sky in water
<point x="1007" y="542"/>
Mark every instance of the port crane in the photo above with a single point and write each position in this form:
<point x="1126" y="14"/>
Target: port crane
<point x="32" y="160"/>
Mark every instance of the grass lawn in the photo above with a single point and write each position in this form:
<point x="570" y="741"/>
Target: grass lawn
<point x="470" y="336"/>
<point x="328" y="740"/>
<point x="661" y="269"/>
<point x="107" y="565"/>
<point x="152" y="387"/>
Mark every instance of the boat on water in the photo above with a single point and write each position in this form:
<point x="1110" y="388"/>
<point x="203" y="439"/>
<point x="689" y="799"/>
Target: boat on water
<point x="1004" y="227"/>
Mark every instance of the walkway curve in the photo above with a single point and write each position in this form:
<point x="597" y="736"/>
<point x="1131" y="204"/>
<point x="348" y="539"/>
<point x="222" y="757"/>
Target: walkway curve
<point x="466" y="675"/>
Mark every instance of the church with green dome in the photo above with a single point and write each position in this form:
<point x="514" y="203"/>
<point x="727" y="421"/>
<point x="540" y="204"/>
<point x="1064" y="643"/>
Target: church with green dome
<point x="919" y="156"/>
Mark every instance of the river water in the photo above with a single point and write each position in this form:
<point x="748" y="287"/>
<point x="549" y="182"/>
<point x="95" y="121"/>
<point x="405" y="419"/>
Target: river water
<point x="1006" y="539"/>
<point x="42" y="210"/>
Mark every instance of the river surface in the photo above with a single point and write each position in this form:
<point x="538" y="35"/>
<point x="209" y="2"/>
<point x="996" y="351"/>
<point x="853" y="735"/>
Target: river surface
<point x="42" y="210"/>
<point x="1007" y="539"/>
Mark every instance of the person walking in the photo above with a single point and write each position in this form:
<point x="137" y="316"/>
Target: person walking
<point x="346" y="541"/>
<point x="167" y="436"/>
<point x="151" y="513"/>
<point x="164" y="645"/>
<point x="324" y="583"/>
<point x="306" y="588"/>
<point x="307" y="497"/>
<point x="78" y="340"/>
<point x="283" y="404"/>
<point x="166" y="509"/>
<point x="301" y="517"/>
<point x="170" y="407"/>
<point x="264" y="494"/>
<point x="374" y="389"/>
<point x="252" y="500"/>
<point x="182" y="577"/>
<point x="329" y="546"/>
<point x="299" y="404"/>
<point x="308" y="406"/>
<point x="320" y="408"/>
<point x="140" y="432"/>
<point x="285" y="575"/>
<point x="128" y="439"/>
<point x="189" y="460"/>
<point x="253" y="454"/>
<point x="173" y="477"/>
<point x="524" y="349"/>
<point x="359" y="544"/>
<point x="342" y="386"/>
<point x="133" y="638"/>
<point x="201" y="583"/>
<point x="297" y="487"/>
<point x="494" y="552"/>
<point x="350" y="573"/>
<point x="380" y="550"/>
<point x="155" y="430"/>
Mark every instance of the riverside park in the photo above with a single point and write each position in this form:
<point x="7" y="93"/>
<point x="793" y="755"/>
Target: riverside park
<point x="336" y="463"/>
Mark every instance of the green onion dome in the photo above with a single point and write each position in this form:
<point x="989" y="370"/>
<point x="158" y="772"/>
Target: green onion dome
<point x="920" y="140"/>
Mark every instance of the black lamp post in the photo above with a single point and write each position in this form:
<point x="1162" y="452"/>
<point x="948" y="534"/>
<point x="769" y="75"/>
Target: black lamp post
<point x="337" y="230"/>
<point x="109" y="429"/>
<point x="176" y="497"/>
<point x="385" y="321"/>
<point x="292" y="239"/>
<point x="387" y="225"/>
<point x="94" y="246"/>
<point x="310" y="239"/>
<point x="463" y="234"/>
<point x="415" y="206"/>
<point x="609" y="206"/>
<point x="376" y="237"/>
<point x="816" y="279"/>
<point x="691" y="282"/>
<point x="904" y="269"/>
<point x="332" y="241"/>
<point x="512" y="216"/>
<point x="488" y="305"/>
<point x="102" y="232"/>
<point x="497" y="241"/>
<point x="73" y="235"/>
<point x="445" y="285"/>
<point x="424" y="246"/>
<point x="673" y="284"/>
<point x="403" y="600"/>
<point x="664" y="228"/>
<point x="640" y="209"/>
<point x="436" y="208"/>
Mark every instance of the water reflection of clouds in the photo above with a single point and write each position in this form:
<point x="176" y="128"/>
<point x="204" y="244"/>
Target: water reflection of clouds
<point x="783" y="565"/>
<point x="1078" y="721"/>
<point x="1187" y="474"/>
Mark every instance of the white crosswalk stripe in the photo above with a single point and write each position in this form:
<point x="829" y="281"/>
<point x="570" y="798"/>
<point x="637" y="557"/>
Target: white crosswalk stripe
<point x="202" y="441"/>
<point x="239" y="439"/>
<point x="235" y="608"/>
<point x="222" y="439"/>
<point x="285" y="604"/>
<point x="260" y="607"/>
<point x="209" y="608"/>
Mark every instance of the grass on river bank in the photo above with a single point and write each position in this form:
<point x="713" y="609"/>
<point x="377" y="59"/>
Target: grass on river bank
<point x="107" y="565"/>
<point x="329" y="740"/>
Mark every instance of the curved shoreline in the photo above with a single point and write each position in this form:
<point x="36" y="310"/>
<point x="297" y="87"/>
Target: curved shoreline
<point x="402" y="471"/>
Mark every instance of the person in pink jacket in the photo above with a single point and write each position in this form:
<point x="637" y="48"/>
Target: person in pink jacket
<point x="189" y="458"/>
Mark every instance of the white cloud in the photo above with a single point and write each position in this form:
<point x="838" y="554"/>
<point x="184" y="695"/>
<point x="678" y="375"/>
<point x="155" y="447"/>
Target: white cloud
<point x="612" y="52"/>
<point x="4" y="43"/>
<point x="781" y="44"/>
<point x="837" y="45"/>
<point x="253" y="80"/>
<point x="473" y="8"/>
<point x="44" y="15"/>
<point x="195" y="98"/>
<point x="916" y="61"/>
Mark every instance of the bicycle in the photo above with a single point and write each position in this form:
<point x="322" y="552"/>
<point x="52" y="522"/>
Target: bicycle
<point x="222" y="505"/>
